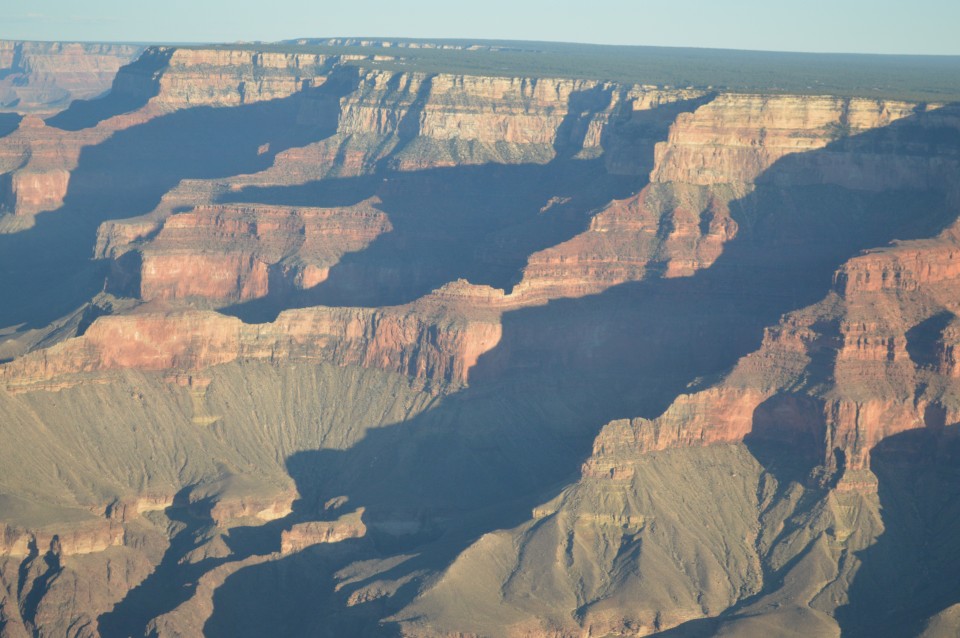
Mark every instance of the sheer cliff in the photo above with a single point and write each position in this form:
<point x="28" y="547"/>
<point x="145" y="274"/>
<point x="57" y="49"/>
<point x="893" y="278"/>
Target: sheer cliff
<point x="297" y="342"/>
<point x="47" y="76"/>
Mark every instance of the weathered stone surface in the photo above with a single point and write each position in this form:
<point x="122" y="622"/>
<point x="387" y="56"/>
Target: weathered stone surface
<point x="734" y="138"/>
<point x="303" y="535"/>
<point x="225" y="253"/>
<point x="197" y="77"/>
<point x="46" y="76"/>
<point x="396" y="339"/>
<point x="876" y="358"/>
<point x="72" y="539"/>
<point x="729" y="195"/>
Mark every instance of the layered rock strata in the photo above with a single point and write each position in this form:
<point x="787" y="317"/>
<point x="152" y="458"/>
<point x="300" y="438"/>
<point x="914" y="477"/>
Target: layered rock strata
<point x="193" y="424"/>
<point x="46" y="76"/>
<point x="442" y="347"/>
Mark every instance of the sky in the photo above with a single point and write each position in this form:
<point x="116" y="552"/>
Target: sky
<point x="847" y="26"/>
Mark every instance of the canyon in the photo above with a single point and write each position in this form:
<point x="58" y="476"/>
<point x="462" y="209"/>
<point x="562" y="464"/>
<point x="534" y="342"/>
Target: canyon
<point x="298" y="340"/>
<point x="45" y="77"/>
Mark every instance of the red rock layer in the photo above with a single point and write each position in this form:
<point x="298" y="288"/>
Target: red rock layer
<point x="718" y="415"/>
<point x="37" y="160"/>
<point x="626" y="241"/>
<point x="432" y="345"/>
<point x="874" y="359"/>
<point x="303" y="535"/>
<point x="39" y="157"/>
<point x="459" y="120"/>
<point x="676" y="226"/>
<point x="223" y="253"/>
<point x="712" y="157"/>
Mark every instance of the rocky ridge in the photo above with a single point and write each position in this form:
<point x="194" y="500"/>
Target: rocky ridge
<point x="689" y="196"/>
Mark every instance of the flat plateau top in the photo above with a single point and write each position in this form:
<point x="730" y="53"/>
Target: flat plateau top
<point x="901" y="77"/>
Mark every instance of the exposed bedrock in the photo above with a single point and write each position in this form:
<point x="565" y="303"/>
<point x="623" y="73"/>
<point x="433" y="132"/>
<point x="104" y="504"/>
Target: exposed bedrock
<point x="343" y="361"/>
<point x="127" y="175"/>
<point x="46" y="76"/>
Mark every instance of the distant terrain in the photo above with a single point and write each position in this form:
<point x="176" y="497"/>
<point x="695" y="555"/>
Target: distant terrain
<point x="903" y="77"/>
<point x="389" y="337"/>
<point x="47" y="76"/>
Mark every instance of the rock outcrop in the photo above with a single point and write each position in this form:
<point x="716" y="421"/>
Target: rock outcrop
<point x="443" y="346"/>
<point x="871" y="361"/>
<point x="224" y="253"/>
<point x="713" y="156"/>
<point x="229" y="77"/>
<point x="71" y="540"/>
<point x="46" y="76"/>
<point x="303" y="535"/>
<point x="427" y="292"/>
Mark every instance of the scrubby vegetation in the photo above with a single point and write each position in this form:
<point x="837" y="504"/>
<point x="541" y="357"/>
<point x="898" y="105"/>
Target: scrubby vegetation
<point x="906" y="77"/>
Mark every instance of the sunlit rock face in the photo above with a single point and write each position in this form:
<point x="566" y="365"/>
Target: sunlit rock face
<point x="297" y="343"/>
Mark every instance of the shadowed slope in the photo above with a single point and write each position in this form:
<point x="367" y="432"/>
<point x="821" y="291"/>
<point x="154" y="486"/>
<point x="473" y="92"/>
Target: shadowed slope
<point x="911" y="572"/>
<point x="9" y="123"/>
<point x="132" y="88"/>
<point x="480" y="460"/>
<point x="47" y="270"/>
<point x="480" y="223"/>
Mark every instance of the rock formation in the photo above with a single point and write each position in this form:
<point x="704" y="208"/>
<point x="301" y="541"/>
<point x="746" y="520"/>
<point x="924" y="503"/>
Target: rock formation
<point x="584" y="358"/>
<point x="46" y="76"/>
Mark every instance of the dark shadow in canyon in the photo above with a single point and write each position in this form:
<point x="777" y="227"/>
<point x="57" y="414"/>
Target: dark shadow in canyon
<point x="486" y="455"/>
<point x="925" y="340"/>
<point x="172" y="582"/>
<point x="408" y="128"/>
<point x="787" y="438"/>
<point x="583" y="105"/>
<point x="9" y="122"/>
<point x="47" y="271"/>
<point x="47" y="572"/>
<point x="175" y="579"/>
<point x="133" y="86"/>
<point x="480" y="223"/>
<point x="912" y="572"/>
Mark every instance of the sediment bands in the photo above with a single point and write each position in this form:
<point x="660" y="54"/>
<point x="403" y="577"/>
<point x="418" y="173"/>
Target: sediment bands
<point x="295" y="345"/>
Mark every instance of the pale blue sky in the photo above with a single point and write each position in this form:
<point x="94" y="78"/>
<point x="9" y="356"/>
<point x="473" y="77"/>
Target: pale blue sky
<point x="877" y="26"/>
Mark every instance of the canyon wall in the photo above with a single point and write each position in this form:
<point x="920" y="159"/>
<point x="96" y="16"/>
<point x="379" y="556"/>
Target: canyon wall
<point x="46" y="76"/>
<point x="533" y="330"/>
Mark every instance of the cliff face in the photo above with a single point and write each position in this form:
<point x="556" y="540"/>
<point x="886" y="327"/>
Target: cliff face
<point x="225" y="253"/>
<point x="228" y="253"/>
<point x="198" y="77"/>
<point x="678" y="224"/>
<point x="872" y="360"/>
<point x="442" y="346"/>
<point x="37" y="163"/>
<point x="317" y="282"/>
<point x="744" y="135"/>
<point x="864" y="369"/>
<point x="713" y="156"/>
<point x="675" y="225"/>
<point x="46" y="76"/>
<point x="38" y="157"/>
